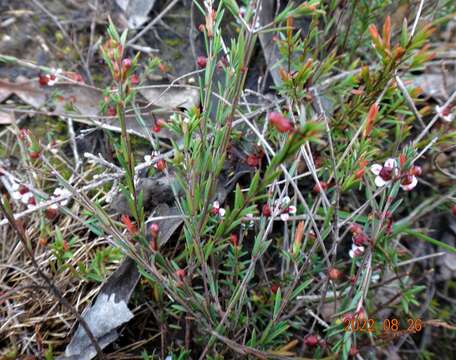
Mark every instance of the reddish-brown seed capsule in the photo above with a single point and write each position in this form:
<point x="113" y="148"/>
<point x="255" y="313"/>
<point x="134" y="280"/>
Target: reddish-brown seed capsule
<point x="335" y="274"/>
<point x="23" y="189"/>
<point x="319" y="187"/>
<point x="274" y="288"/>
<point x="43" y="79"/>
<point x="34" y="154"/>
<point x="311" y="340"/>
<point x="266" y="210"/>
<point x="201" y="61"/>
<point x="50" y="213"/>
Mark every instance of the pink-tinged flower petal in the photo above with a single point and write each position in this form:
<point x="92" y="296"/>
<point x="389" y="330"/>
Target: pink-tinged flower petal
<point x="17" y="195"/>
<point x="284" y="216"/>
<point x="445" y="114"/>
<point x="380" y="182"/>
<point x="410" y="186"/>
<point x="356" y="251"/>
<point x="216" y="205"/>
<point x="391" y="163"/>
<point x="375" y="169"/>
<point x="26" y="197"/>
<point x="292" y="210"/>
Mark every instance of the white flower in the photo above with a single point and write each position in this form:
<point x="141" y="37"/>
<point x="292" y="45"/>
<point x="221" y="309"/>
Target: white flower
<point x="62" y="192"/>
<point x="217" y="210"/>
<point x="148" y="159"/>
<point x="375" y="277"/>
<point x="54" y="206"/>
<point x="26" y="197"/>
<point x="284" y="216"/>
<point x="249" y="221"/>
<point x="384" y="174"/>
<point x="292" y="210"/>
<point x="356" y="251"/>
<point x="53" y="78"/>
<point x="444" y="113"/>
<point x="17" y="195"/>
<point x="286" y="200"/>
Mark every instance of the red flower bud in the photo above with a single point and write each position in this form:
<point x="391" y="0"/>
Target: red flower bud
<point x="453" y="209"/>
<point x="43" y="79"/>
<point x="160" y="165"/>
<point x="201" y="61"/>
<point x="34" y="154"/>
<point x="158" y="125"/>
<point x="356" y="229"/>
<point x="126" y="64"/>
<point x="131" y="228"/>
<point x="360" y="173"/>
<point x="266" y="210"/>
<point x="252" y="160"/>
<point x="353" y="351"/>
<point x="274" y="288"/>
<point x="361" y="314"/>
<point x="31" y="201"/>
<point x="134" y="79"/>
<point x="348" y="317"/>
<point x="402" y="159"/>
<point x="280" y="122"/>
<point x="66" y="246"/>
<point x="234" y="239"/>
<point x="181" y="274"/>
<point x="311" y="340"/>
<point x="162" y="67"/>
<point x="111" y="111"/>
<point x="154" y="228"/>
